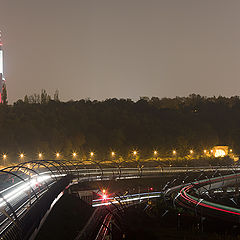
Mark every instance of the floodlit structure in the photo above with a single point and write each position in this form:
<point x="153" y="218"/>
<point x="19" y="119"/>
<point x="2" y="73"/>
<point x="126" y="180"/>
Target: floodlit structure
<point x="2" y="80"/>
<point x="220" y="151"/>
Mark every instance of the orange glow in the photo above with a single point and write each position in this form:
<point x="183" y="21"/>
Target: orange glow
<point x="74" y="154"/>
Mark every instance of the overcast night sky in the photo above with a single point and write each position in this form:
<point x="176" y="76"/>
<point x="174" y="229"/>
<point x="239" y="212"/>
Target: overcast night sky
<point x="121" y="48"/>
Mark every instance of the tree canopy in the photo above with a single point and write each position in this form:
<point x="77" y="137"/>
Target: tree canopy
<point x="38" y="123"/>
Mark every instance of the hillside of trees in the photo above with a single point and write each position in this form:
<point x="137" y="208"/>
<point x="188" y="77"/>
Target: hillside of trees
<point x="38" y="123"/>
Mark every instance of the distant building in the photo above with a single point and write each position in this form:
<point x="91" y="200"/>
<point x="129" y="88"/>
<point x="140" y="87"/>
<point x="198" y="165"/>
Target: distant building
<point x="2" y="80"/>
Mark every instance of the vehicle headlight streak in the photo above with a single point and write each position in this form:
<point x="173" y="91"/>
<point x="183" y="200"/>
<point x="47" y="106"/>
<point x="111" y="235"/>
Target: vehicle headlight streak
<point x="25" y="186"/>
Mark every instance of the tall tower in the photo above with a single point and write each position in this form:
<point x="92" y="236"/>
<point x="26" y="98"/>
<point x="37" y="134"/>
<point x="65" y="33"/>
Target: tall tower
<point x="2" y="80"/>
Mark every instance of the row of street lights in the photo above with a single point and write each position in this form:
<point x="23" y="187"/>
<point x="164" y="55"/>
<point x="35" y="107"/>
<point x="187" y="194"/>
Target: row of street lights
<point x="112" y="154"/>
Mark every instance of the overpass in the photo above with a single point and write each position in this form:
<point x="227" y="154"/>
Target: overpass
<point x="214" y="196"/>
<point x="29" y="189"/>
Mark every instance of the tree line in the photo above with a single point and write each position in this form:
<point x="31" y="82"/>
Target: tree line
<point x="41" y="123"/>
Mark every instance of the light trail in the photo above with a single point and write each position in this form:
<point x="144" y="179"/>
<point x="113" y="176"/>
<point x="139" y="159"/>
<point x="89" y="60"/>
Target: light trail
<point x="126" y="198"/>
<point x="187" y="198"/>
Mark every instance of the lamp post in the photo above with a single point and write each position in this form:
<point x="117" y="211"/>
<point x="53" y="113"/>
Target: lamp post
<point x="91" y="154"/>
<point x="21" y="156"/>
<point x="40" y="156"/>
<point x="4" y="156"/>
<point x="57" y="155"/>
<point x="74" y="155"/>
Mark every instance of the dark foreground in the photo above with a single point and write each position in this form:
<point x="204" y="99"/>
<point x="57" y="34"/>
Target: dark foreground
<point x="143" y="221"/>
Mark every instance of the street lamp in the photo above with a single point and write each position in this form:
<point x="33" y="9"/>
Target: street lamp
<point x="174" y="152"/>
<point x="40" y="155"/>
<point x="205" y="151"/>
<point x="4" y="156"/>
<point x="134" y="153"/>
<point x="74" y="154"/>
<point x="21" y="155"/>
<point x="191" y="151"/>
<point x="113" y="154"/>
<point x="155" y="153"/>
<point x="230" y="150"/>
<point x="57" y="155"/>
<point x="91" y="154"/>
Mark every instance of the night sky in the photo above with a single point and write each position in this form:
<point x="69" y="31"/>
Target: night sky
<point x="121" y="48"/>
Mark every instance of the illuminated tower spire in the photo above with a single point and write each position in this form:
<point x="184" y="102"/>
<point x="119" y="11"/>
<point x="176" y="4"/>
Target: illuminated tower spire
<point x="2" y="80"/>
<point x="1" y="54"/>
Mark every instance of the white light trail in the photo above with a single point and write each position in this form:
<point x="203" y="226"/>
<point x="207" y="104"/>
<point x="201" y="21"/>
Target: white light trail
<point x="138" y="197"/>
<point x="25" y="186"/>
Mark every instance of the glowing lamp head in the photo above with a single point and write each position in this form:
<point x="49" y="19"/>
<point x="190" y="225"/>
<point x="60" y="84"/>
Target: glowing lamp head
<point x="21" y="155"/>
<point x="205" y="151"/>
<point x="191" y="151"/>
<point x="74" y="154"/>
<point x="230" y="150"/>
<point x="57" y="154"/>
<point x="174" y="152"/>
<point x="134" y="153"/>
<point x="155" y="153"/>
<point x="104" y="196"/>
<point x="4" y="156"/>
<point x="91" y="154"/>
<point x="40" y="155"/>
<point x="113" y="154"/>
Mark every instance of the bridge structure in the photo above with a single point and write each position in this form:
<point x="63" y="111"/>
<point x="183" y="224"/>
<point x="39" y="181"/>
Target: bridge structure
<point x="208" y="194"/>
<point x="29" y="189"/>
